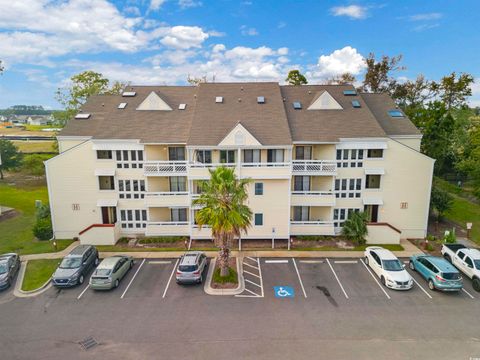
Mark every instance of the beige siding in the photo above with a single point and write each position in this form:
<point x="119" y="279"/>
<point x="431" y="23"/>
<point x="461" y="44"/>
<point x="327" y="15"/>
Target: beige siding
<point x="156" y="152"/>
<point x="413" y="143"/>
<point x="64" y="145"/>
<point x="382" y="234"/>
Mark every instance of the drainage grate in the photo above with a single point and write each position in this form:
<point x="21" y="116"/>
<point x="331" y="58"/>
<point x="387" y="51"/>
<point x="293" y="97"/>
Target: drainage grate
<point x="88" y="343"/>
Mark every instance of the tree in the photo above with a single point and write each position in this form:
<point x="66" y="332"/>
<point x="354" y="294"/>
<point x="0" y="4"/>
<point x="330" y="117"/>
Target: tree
<point x="378" y="76"/>
<point x="343" y="79"/>
<point x="83" y="86"/>
<point x="470" y="160"/>
<point x="192" y="80"/>
<point x="411" y="95"/>
<point x="1" y="67"/>
<point x="440" y="201"/>
<point x="43" y="225"/>
<point x="224" y="210"/>
<point x="453" y="91"/>
<point x="294" y="77"/>
<point x="11" y="157"/>
<point x="355" y="228"/>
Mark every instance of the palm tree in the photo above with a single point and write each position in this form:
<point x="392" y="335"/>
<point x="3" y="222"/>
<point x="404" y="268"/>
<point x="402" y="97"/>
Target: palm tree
<point x="355" y="227"/>
<point x="223" y="209"/>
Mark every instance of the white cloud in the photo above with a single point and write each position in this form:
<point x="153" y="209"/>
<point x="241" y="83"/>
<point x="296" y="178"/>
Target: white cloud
<point x="281" y="25"/>
<point x="475" y="98"/>
<point x="351" y="11"/>
<point x="246" y="31"/>
<point x="425" y="17"/>
<point x="184" y="37"/>
<point x="184" y="4"/>
<point x="424" y="27"/>
<point x="156" y="4"/>
<point x="338" y="62"/>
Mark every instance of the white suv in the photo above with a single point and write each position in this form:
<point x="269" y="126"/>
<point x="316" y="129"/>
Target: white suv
<point x="388" y="268"/>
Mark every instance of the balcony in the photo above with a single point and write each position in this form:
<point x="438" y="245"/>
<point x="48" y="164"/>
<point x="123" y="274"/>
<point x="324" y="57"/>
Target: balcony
<point x="312" y="228"/>
<point x="167" y="199"/>
<point x="266" y="170"/>
<point x="313" y="198"/>
<point x="199" y="171"/>
<point x="204" y="233"/>
<point x="314" y="167"/>
<point x="167" y="228"/>
<point x="165" y="168"/>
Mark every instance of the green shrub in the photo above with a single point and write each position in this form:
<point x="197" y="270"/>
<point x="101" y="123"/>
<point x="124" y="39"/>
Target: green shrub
<point x="162" y="240"/>
<point x="450" y="238"/>
<point x="312" y="237"/>
<point x="33" y="164"/>
<point x="230" y="278"/>
<point x="43" y="229"/>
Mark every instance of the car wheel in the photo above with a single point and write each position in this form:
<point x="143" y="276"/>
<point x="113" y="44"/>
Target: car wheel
<point x="96" y="261"/>
<point x="382" y="279"/>
<point x="411" y="265"/>
<point x="116" y="283"/>
<point x="200" y="280"/>
<point x="476" y="284"/>
<point x="431" y="285"/>
<point x="81" y="279"/>
<point x="366" y="260"/>
<point x="131" y="264"/>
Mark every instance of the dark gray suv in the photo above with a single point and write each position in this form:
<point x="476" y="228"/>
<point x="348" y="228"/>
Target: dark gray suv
<point x="75" y="266"/>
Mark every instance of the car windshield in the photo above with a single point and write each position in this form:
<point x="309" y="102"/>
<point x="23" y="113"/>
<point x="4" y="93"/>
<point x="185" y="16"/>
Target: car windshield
<point x="102" y="272"/>
<point x="71" y="263"/>
<point x="3" y="268"/>
<point x="392" y="265"/>
<point x="477" y="264"/>
<point x="187" y="268"/>
<point x="451" y="276"/>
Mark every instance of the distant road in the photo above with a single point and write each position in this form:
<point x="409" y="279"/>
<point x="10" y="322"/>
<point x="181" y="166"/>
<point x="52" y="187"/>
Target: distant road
<point x="27" y="138"/>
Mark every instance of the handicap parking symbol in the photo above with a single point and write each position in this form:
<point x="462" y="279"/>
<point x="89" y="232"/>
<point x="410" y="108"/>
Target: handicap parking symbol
<point x="284" y="291"/>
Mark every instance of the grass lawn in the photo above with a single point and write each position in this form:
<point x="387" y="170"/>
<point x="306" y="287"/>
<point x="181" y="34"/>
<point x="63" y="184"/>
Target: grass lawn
<point x="391" y="247"/>
<point x="34" y="146"/>
<point x="231" y="278"/>
<point x="38" y="272"/>
<point x="16" y="233"/>
<point x="464" y="211"/>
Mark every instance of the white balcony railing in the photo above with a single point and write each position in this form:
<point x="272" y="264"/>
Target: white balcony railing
<point x="312" y="223"/>
<point x="165" y="193"/>
<point x="165" y="168"/>
<point x="197" y="165"/>
<point x="318" y="167"/>
<point x="313" y="193"/>
<point x="167" y="223"/>
<point x="266" y="164"/>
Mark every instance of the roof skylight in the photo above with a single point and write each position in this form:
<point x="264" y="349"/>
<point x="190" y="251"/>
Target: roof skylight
<point x="82" y="116"/>
<point x="261" y="99"/>
<point x="395" y="113"/>
<point x="349" y="92"/>
<point x="219" y="99"/>
<point x="129" y="93"/>
<point x="182" y="106"/>
<point x="297" y="105"/>
<point x="122" y="105"/>
<point x="356" y="104"/>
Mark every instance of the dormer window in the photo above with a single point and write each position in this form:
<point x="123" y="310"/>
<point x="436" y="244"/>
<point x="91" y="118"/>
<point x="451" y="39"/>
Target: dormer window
<point x="395" y="113"/>
<point x="349" y="92"/>
<point x="297" y="105"/>
<point x="260" y="99"/>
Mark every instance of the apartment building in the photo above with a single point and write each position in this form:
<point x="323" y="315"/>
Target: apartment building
<point x="131" y="164"/>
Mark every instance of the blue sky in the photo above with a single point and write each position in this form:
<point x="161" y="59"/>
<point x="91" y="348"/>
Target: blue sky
<point x="44" y="42"/>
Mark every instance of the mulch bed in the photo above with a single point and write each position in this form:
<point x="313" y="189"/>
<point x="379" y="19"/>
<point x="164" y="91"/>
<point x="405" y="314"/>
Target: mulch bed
<point x="233" y="265"/>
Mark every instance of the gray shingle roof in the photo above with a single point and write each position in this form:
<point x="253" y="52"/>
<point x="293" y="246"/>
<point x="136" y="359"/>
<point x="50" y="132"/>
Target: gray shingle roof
<point x="205" y="122"/>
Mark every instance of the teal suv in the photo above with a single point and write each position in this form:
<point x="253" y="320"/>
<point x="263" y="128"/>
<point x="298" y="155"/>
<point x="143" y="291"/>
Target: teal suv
<point x="439" y="273"/>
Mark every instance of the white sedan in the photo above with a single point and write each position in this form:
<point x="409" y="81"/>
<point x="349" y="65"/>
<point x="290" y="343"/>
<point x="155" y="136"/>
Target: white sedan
<point x="388" y="268"/>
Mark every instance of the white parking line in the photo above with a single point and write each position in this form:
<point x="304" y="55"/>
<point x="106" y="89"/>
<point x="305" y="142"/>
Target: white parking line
<point x="159" y="262"/>
<point x="250" y="258"/>
<point x="249" y="273"/>
<point x="466" y="292"/>
<point x="261" y="278"/>
<point x="374" y="278"/>
<point x="171" y="275"/>
<point x="346" y="262"/>
<point x="425" y="291"/>
<point x="251" y="282"/>
<point x="83" y="292"/>
<point x="276" y="261"/>
<point x="336" y="277"/>
<point x="312" y="261"/>
<point x="249" y="296"/>
<point x="299" y="278"/>
<point x="250" y="265"/>
<point x="133" y="278"/>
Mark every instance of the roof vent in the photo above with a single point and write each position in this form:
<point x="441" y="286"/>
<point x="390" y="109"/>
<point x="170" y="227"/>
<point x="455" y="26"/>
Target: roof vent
<point x="261" y="99"/>
<point x="122" y="105"/>
<point x="219" y="99"/>
<point x="182" y="106"/>
<point x="395" y="113"/>
<point x="81" y="116"/>
<point x="349" y="92"/>
<point x="129" y="93"/>
<point x="297" y="105"/>
<point x="356" y="104"/>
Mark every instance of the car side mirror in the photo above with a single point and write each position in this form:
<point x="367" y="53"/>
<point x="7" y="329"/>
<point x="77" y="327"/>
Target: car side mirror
<point x="404" y="266"/>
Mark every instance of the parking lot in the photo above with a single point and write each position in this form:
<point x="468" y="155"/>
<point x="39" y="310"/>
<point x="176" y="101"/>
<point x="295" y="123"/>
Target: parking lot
<point x="333" y="306"/>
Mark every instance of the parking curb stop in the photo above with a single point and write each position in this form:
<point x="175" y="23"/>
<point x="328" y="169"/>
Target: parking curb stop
<point x="229" y="292"/>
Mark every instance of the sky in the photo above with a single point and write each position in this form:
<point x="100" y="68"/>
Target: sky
<point x="162" y="42"/>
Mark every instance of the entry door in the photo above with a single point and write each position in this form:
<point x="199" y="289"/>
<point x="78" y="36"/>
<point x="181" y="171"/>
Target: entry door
<point x="109" y="215"/>
<point x="372" y="213"/>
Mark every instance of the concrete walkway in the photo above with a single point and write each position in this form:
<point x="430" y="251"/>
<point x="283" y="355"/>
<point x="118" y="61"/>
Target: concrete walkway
<point x="410" y="250"/>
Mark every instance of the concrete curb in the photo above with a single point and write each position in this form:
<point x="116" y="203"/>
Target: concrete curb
<point x="229" y="292"/>
<point x="18" y="292"/>
<point x="53" y="255"/>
